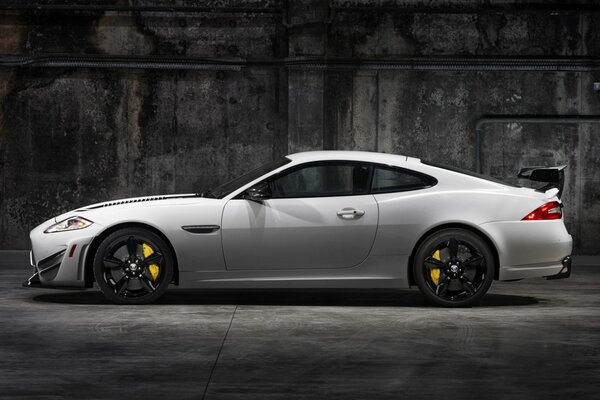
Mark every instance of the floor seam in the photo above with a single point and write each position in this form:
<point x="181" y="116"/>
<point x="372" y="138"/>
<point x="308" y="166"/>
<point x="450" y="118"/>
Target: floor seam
<point x="212" y="370"/>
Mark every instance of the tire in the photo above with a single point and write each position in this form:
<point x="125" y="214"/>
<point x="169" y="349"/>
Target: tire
<point x="454" y="268"/>
<point x="133" y="266"/>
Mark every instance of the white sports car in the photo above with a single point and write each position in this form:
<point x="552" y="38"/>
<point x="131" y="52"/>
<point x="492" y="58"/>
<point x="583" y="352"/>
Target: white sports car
<point x="325" y="219"/>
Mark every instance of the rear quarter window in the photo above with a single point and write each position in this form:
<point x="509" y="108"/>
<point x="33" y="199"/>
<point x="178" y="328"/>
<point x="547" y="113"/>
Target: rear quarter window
<point x="393" y="179"/>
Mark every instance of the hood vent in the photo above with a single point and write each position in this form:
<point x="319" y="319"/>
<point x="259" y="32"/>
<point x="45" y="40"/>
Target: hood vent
<point x="140" y="200"/>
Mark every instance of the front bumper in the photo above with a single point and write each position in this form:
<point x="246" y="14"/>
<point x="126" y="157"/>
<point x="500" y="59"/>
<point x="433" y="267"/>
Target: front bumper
<point x="48" y="266"/>
<point x="44" y="277"/>
<point x="63" y="269"/>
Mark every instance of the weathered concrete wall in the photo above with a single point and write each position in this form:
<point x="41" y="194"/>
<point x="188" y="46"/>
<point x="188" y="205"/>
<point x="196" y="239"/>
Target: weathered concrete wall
<point x="70" y="137"/>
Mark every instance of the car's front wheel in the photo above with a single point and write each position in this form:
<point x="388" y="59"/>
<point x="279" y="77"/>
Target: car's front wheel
<point x="133" y="266"/>
<point x="454" y="268"/>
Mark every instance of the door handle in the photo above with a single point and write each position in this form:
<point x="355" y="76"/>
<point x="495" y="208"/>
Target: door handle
<point x="349" y="213"/>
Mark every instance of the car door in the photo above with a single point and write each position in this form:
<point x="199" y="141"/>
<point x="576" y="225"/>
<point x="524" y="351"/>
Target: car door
<point x="319" y="215"/>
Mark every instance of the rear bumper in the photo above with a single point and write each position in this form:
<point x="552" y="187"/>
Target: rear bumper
<point x="555" y="270"/>
<point x="531" y="249"/>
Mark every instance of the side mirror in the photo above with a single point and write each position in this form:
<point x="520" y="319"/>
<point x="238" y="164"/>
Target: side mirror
<point x="258" y="193"/>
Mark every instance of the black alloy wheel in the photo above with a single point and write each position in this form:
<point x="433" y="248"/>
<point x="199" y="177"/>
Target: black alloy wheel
<point x="454" y="268"/>
<point x="133" y="266"/>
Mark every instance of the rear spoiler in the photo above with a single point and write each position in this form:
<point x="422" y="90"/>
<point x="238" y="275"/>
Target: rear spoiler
<point x="553" y="176"/>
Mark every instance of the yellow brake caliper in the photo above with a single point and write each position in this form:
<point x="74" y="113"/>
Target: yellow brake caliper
<point x="153" y="268"/>
<point x="435" y="272"/>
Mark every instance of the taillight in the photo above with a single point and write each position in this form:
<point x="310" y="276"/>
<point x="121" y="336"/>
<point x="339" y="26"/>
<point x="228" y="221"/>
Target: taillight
<point x="552" y="210"/>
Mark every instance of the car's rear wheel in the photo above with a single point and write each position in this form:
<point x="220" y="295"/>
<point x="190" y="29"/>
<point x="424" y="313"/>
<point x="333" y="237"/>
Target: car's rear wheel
<point x="133" y="266"/>
<point x="454" y="268"/>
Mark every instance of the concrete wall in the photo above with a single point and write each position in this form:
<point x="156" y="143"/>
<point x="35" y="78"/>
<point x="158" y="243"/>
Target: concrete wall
<point x="73" y="136"/>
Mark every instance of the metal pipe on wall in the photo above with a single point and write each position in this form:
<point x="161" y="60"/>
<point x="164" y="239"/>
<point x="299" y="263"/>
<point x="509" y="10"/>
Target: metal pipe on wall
<point x="481" y="8"/>
<point x="522" y="119"/>
<point x="35" y="6"/>
<point x="572" y="64"/>
<point x="433" y="8"/>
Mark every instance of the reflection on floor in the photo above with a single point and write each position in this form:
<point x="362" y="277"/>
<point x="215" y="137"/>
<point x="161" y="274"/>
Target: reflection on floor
<point x="528" y="339"/>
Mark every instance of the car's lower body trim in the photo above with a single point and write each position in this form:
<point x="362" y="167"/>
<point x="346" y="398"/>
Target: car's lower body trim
<point x="35" y="282"/>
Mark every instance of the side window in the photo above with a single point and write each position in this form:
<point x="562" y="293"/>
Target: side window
<point x="322" y="180"/>
<point x="391" y="179"/>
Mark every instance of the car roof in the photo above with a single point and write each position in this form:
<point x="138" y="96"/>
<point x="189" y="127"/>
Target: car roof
<point x="366" y="156"/>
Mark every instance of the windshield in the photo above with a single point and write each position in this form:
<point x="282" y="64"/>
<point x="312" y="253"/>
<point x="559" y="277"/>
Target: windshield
<point x="223" y="190"/>
<point x="467" y="172"/>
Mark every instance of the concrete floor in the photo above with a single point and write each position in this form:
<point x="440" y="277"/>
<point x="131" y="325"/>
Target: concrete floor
<point x="532" y="339"/>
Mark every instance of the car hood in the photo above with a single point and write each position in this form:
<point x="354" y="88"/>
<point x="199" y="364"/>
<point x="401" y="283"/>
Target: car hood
<point x="133" y="202"/>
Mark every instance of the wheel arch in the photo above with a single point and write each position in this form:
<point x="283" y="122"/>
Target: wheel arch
<point x="93" y="247"/>
<point x="471" y="228"/>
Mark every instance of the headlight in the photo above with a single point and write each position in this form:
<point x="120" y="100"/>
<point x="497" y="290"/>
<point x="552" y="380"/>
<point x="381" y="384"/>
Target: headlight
<point x="69" y="224"/>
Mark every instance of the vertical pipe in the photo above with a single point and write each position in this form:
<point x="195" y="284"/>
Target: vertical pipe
<point x="478" y="149"/>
